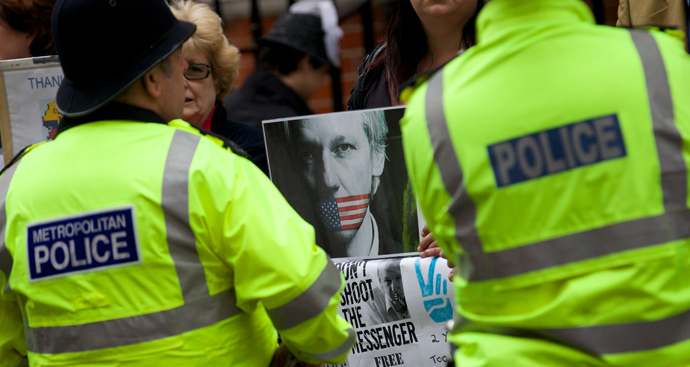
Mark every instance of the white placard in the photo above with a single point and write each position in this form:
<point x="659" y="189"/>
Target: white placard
<point x="399" y="308"/>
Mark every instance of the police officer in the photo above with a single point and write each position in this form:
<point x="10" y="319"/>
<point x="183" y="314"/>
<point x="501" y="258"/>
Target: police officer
<point x="551" y="162"/>
<point x="153" y="245"/>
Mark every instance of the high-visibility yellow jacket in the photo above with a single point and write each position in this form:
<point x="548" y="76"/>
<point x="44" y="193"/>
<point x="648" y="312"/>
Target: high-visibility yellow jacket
<point x="130" y="243"/>
<point x="551" y="162"/>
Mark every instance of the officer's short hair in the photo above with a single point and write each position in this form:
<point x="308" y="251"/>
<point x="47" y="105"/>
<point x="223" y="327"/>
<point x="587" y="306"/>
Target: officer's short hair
<point x="167" y="67"/>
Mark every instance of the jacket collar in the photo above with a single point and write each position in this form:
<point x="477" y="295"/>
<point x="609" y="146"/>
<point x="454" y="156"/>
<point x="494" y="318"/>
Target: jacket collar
<point x="112" y="111"/>
<point x="499" y="17"/>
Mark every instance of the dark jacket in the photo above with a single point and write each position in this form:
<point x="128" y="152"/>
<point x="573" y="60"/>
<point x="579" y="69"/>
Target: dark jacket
<point x="264" y="97"/>
<point x="251" y="140"/>
<point x="371" y="87"/>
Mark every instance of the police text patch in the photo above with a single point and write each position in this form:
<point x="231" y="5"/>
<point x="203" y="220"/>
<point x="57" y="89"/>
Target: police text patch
<point x="556" y="150"/>
<point x="84" y="242"/>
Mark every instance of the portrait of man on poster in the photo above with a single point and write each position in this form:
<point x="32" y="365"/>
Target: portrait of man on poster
<point x="337" y="161"/>
<point x="389" y="303"/>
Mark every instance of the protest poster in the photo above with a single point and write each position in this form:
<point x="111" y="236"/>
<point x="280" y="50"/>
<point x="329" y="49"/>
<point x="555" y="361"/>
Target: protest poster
<point x="345" y="174"/>
<point x="399" y="307"/>
<point x="28" y="114"/>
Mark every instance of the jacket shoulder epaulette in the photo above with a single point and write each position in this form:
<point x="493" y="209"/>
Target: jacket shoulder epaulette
<point x="218" y="139"/>
<point x="411" y="85"/>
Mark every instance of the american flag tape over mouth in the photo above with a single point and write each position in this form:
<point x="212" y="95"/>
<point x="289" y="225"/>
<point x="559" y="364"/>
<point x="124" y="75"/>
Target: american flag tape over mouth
<point x="344" y="213"/>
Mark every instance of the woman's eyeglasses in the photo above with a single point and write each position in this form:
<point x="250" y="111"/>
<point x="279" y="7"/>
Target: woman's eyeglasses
<point x="197" y="72"/>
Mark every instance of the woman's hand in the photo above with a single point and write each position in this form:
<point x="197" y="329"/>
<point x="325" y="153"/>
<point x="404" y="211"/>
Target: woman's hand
<point x="428" y="247"/>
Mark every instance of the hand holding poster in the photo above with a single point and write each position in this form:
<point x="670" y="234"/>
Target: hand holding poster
<point x="345" y="174"/>
<point x="399" y="308"/>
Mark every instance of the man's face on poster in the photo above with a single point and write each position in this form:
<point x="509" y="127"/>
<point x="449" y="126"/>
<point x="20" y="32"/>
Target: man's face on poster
<point x="392" y="283"/>
<point x="337" y="162"/>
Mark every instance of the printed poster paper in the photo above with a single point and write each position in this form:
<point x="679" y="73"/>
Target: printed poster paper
<point x="345" y="174"/>
<point x="399" y="308"/>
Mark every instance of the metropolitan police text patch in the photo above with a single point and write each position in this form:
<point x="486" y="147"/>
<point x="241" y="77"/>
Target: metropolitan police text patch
<point x="556" y="150"/>
<point x="84" y="242"/>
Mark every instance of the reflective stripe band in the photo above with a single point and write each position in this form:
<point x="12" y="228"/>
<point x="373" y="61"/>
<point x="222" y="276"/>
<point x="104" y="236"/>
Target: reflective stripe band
<point x="5" y="257"/>
<point x="349" y="342"/>
<point x="669" y="143"/>
<point x="310" y="303"/>
<point x="624" y="338"/>
<point x="132" y="330"/>
<point x="618" y="237"/>
<point x="462" y="208"/>
<point x="597" y="242"/>
<point x="175" y="204"/>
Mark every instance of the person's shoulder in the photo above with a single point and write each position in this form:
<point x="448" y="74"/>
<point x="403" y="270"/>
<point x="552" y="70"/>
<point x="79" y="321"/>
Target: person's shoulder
<point x="240" y="98"/>
<point x="253" y="108"/>
<point x="209" y="137"/>
<point x="412" y="85"/>
<point x="244" y="135"/>
<point x="371" y="57"/>
<point x="669" y="40"/>
<point x="20" y="155"/>
<point x="366" y="78"/>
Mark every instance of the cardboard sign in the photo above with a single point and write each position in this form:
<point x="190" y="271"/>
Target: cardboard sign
<point x="28" y="114"/>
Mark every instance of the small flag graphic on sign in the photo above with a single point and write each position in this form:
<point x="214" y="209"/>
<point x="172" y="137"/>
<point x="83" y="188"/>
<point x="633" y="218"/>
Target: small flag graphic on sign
<point x="344" y="213"/>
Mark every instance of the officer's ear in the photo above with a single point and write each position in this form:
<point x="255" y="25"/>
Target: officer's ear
<point x="153" y="82"/>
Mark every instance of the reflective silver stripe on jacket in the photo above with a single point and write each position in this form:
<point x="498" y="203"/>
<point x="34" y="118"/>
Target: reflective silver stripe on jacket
<point x="310" y="303"/>
<point x="340" y="350"/>
<point x="625" y="338"/>
<point x="135" y="329"/>
<point x="199" y="309"/>
<point x="5" y="257"/>
<point x="175" y="204"/>
<point x="669" y="143"/>
<point x="471" y="264"/>
<point x="584" y="245"/>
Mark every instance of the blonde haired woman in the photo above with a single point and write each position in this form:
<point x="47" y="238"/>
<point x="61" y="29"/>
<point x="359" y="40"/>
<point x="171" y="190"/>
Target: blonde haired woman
<point x="213" y="68"/>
